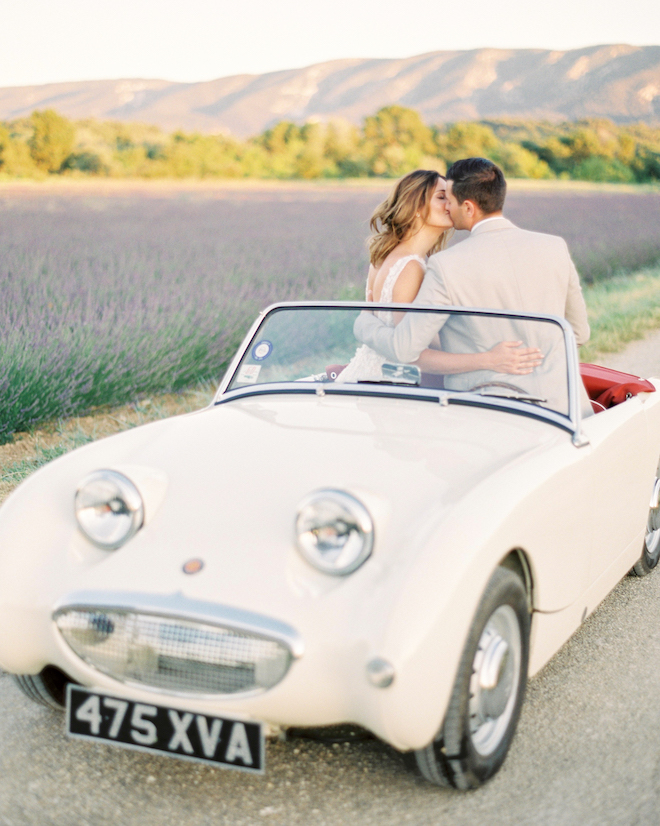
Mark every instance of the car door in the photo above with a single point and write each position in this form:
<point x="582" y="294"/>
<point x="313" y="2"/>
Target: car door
<point x="622" y="473"/>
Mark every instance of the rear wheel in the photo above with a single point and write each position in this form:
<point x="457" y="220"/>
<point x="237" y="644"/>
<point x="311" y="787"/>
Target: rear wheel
<point x="651" y="549"/>
<point x="488" y="693"/>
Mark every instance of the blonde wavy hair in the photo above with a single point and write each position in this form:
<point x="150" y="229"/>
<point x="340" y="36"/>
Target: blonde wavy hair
<point x="393" y="219"/>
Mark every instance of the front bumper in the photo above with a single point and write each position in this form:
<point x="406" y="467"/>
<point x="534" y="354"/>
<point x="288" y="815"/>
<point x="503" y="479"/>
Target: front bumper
<point x="327" y="682"/>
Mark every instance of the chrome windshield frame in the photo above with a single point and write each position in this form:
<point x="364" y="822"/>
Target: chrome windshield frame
<point x="570" y="423"/>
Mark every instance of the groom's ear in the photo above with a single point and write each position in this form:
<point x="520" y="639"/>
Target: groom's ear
<point x="469" y="207"/>
<point x="472" y="211"/>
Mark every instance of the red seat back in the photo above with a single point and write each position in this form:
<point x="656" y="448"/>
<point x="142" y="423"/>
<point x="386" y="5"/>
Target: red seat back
<point x="609" y="387"/>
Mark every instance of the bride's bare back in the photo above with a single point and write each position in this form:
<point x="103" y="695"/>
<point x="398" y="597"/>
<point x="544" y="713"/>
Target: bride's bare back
<point x="402" y="282"/>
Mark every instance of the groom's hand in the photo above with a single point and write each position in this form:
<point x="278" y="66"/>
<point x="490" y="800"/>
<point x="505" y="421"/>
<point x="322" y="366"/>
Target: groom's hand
<point x="513" y="357"/>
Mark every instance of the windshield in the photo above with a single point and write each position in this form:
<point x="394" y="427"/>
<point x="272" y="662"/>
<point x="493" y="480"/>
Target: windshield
<point x="487" y="354"/>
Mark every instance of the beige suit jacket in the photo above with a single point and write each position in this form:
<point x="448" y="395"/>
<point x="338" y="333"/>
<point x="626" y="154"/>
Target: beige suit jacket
<point x="499" y="266"/>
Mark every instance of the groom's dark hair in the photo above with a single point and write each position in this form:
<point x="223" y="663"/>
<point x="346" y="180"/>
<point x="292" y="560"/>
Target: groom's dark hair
<point x="478" y="180"/>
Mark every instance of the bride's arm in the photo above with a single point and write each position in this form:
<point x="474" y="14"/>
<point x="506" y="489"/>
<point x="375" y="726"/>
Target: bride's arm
<point x="505" y="357"/>
<point x="371" y="276"/>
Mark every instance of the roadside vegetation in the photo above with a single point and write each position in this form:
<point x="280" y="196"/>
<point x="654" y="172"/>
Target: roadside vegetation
<point x="388" y="144"/>
<point x="621" y="309"/>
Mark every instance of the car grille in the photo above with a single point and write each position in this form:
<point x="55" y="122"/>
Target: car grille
<point x="173" y="654"/>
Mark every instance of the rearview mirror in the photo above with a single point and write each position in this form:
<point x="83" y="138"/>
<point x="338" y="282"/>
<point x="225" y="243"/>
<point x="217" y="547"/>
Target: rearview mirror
<point x="402" y="373"/>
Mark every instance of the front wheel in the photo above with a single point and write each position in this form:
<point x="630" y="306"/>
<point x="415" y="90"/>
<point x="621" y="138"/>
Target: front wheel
<point x="487" y="696"/>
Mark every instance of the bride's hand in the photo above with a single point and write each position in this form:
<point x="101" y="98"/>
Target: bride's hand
<point x="511" y="357"/>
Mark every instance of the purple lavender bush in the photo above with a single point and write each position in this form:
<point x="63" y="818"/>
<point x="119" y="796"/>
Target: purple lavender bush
<point x="106" y="298"/>
<point x="607" y="232"/>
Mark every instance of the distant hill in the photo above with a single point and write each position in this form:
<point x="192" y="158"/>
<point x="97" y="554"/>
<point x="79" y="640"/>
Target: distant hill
<point x="617" y="81"/>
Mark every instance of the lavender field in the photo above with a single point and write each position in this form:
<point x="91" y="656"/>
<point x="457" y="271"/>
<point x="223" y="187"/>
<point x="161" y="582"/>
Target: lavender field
<point x="106" y="296"/>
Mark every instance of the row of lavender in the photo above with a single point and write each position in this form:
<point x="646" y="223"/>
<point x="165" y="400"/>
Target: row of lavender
<point x="107" y="297"/>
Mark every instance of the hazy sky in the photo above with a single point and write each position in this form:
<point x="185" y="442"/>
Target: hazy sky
<point x="43" y="41"/>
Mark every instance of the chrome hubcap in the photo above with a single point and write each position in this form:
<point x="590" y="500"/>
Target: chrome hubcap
<point x="495" y="680"/>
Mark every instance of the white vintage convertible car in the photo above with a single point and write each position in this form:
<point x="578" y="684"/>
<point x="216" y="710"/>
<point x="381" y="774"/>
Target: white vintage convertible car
<point x="397" y="553"/>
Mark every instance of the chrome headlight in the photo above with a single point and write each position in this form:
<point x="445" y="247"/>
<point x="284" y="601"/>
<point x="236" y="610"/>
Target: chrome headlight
<point x="335" y="532"/>
<point x="109" y="508"/>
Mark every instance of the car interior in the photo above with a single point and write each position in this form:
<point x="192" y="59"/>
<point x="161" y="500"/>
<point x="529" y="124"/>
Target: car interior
<point x="607" y="387"/>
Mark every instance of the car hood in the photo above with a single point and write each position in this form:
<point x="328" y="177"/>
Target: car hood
<point x="260" y="448"/>
<point x="234" y="475"/>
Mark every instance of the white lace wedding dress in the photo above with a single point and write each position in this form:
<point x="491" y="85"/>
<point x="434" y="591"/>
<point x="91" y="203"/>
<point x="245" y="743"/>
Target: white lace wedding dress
<point x="366" y="364"/>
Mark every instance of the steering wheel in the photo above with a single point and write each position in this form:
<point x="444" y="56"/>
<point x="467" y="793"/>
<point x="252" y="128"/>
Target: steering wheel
<point x="503" y="385"/>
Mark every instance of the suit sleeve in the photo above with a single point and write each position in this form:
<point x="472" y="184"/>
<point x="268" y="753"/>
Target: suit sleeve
<point x="405" y="342"/>
<point x="576" y="309"/>
<point x="376" y="334"/>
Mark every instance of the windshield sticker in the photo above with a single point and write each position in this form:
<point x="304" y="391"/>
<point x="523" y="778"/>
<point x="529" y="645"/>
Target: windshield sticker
<point x="262" y="350"/>
<point x="249" y="373"/>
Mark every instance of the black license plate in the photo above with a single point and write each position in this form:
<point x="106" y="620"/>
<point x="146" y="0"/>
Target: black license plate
<point x="222" y="741"/>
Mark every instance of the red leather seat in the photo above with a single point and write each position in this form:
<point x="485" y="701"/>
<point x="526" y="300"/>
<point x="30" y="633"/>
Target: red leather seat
<point x="608" y="387"/>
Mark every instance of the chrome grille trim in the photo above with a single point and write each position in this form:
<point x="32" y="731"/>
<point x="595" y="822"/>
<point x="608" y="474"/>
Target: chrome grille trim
<point x="178" y="606"/>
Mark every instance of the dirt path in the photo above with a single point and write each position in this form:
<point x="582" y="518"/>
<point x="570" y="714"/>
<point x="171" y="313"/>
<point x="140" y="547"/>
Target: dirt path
<point x="640" y="357"/>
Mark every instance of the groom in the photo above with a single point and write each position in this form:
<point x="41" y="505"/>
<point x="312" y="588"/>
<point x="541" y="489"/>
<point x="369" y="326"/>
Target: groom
<point x="499" y="266"/>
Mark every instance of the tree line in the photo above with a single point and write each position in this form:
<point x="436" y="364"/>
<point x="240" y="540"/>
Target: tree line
<point x="389" y="143"/>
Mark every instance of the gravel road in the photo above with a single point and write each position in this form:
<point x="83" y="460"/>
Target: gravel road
<point x="587" y="749"/>
<point x="640" y="357"/>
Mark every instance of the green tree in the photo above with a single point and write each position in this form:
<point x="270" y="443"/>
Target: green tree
<point x="83" y="162"/>
<point x="342" y="144"/>
<point x="52" y="140"/>
<point x="554" y="152"/>
<point x="395" y="140"/>
<point x="15" y="158"/>
<point x="597" y="168"/>
<point x="626" y="148"/>
<point x="4" y="146"/>
<point x="646" y="164"/>
<point x="518" y="162"/>
<point x="311" y="160"/>
<point x="200" y="156"/>
<point x="588" y="150"/>
<point x="466" y="140"/>
<point x="282" y="144"/>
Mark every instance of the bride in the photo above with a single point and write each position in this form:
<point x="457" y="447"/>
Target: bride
<point x="411" y="224"/>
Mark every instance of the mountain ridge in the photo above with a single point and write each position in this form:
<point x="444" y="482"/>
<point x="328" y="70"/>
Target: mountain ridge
<point x="614" y="81"/>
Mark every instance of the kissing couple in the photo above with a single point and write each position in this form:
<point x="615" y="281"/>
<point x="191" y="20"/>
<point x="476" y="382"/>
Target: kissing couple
<point x="499" y="266"/>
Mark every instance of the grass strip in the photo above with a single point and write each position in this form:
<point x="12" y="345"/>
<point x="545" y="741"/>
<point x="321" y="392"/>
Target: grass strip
<point x="21" y="469"/>
<point x="622" y="309"/>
